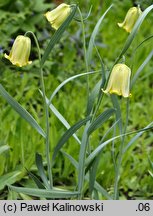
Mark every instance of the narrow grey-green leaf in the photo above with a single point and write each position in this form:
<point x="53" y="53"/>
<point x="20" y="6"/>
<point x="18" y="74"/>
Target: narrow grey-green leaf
<point x="102" y="190"/>
<point x="68" y="134"/>
<point x="141" y="68"/>
<point x="102" y="145"/>
<point x="93" y="35"/>
<point x="94" y="164"/>
<point x="92" y="97"/>
<point x="52" y="194"/>
<point x="102" y="68"/>
<point x="82" y="157"/>
<point x="68" y="80"/>
<point x="97" y="186"/>
<point x="97" y="91"/>
<point x="36" y="180"/>
<point x="61" y="119"/>
<point x="85" y="18"/>
<point x="100" y="120"/>
<point x="41" y="171"/>
<point x="21" y="111"/>
<point x="136" y="137"/>
<point x="72" y="160"/>
<point x="57" y="35"/>
<point x="142" y="43"/>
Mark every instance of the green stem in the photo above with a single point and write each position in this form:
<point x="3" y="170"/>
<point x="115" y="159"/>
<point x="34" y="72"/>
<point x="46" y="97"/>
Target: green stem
<point x="22" y="146"/>
<point x="36" y="42"/>
<point x="120" y="156"/>
<point x="85" y="140"/>
<point x="113" y="149"/>
<point x="47" y="130"/>
<point x="84" y="48"/>
<point x="46" y="111"/>
<point x="82" y="157"/>
<point x="97" y="106"/>
<point x="100" y="96"/>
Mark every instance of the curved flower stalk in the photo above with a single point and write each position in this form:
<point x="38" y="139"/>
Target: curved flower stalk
<point x="119" y="81"/>
<point x="130" y="19"/>
<point x="57" y="16"/>
<point x="20" y="52"/>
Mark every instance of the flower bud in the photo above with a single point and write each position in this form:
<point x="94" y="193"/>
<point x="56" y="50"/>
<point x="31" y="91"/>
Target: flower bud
<point x="20" y="52"/>
<point x="119" y="81"/>
<point x="57" y="16"/>
<point x="130" y="19"/>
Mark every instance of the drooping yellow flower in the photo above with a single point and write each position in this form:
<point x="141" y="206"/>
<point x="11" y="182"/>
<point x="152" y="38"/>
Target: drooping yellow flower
<point x="119" y="81"/>
<point x="130" y="19"/>
<point x="20" y="52"/>
<point x="57" y="16"/>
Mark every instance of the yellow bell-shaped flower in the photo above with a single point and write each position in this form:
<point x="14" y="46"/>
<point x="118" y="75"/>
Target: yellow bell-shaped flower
<point x="57" y="16"/>
<point x="119" y="81"/>
<point x="20" y="52"/>
<point x="130" y="19"/>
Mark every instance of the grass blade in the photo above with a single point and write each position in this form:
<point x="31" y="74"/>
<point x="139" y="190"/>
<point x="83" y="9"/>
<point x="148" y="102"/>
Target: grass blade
<point x="9" y="178"/>
<point x="21" y="111"/>
<point x="4" y="148"/>
<point x="57" y="35"/>
<point x="151" y="163"/>
<point x="68" y="134"/>
<point x="150" y="173"/>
